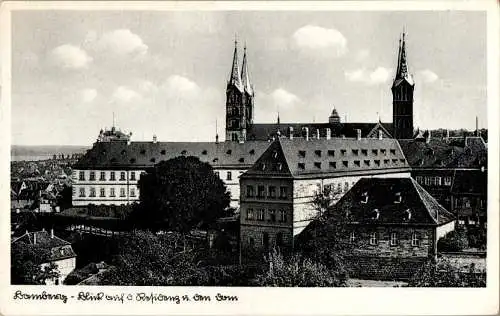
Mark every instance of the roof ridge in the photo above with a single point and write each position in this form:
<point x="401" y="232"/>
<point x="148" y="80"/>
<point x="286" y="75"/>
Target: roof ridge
<point x="422" y="198"/>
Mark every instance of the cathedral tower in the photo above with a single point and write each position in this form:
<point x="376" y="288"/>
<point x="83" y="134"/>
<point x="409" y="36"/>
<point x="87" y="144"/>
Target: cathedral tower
<point x="402" y="96"/>
<point x="239" y="100"/>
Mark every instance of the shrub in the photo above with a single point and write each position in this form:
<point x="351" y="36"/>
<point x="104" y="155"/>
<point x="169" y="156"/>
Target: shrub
<point x="456" y="240"/>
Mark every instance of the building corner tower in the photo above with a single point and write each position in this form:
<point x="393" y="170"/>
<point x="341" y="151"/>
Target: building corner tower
<point x="402" y="96"/>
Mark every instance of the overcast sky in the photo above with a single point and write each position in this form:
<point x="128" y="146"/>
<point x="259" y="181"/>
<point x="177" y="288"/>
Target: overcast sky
<point x="165" y="73"/>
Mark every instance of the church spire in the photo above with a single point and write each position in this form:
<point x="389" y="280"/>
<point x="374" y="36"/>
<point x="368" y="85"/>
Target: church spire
<point x="235" y="78"/>
<point x="244" y="73"/>
<point x="402" y="69"/>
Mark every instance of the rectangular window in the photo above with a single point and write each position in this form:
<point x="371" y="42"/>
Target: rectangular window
<point x="229" y="176"/>
<point x="438" y="180"/>
<point x="102" y="192"/>
<point x="283" y="193"/>
<point x="250" y="192"/>
<point x="250" y="214"/>
<point x="261" y="191"/>
<point x="92" y="176"/>
<point x="373" y="238"/>
<point x="216" y="173"/>
<point x="352" y="237"/>
<point x="415" y="241"/>
<point x="122" y="192"/>
<point x="272" y="215"/>
<point x="261" y="214"/>
<point x="394" y="239"/>
<point x="81" y="176"/>
<point x="272" y="192"/>
<point x="122" y="176"/>
<point x="112" y="176"/>
<point x="419" y="179"/>
<point x="132" y="192"/>
<point x="447" y="181"/>
<point x="282" y="216"/>
<point x="92" y="192"/>
<point x="102" y="176"/>
<point x="132" y="176"/>
<point x="112" y="192"/>
<point x="82" y="192"/>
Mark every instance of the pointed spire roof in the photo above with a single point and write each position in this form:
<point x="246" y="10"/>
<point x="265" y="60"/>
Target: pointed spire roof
<point x="402" y="67"/>
<point x="235" y="78"/>
<point x="244" y="73"/>
<point x="335" y="113"/>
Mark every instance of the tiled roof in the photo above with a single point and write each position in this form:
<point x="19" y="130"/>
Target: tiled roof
<point x="267" y="131"/>
<point x="392" y="201"/>
<point x="299" y="157"/>
<point x="439" y="153"/>
<point x="59" y="248"/>
<point x="117" y="155"/>
<point x="470" y="182"/>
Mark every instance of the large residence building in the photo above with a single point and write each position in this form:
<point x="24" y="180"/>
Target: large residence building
<point x="276" y="192"/>
<point x="109" y="172"/>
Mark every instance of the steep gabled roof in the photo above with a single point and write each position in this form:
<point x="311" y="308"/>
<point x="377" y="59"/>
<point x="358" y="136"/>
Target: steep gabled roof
<point x="391" y="201"/>
<point x="318" y="157"/>
<point x="235" y="77"/>
<point x="271" y="163"/>
<point x="245" y="76"/>
<point x="267" y="131"/>
<point x="139" y="155"/>
<point x="59" y="248"/>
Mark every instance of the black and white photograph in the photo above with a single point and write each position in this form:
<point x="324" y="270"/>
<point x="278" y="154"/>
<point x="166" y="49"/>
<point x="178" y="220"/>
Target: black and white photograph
<point x="248" y="148"/>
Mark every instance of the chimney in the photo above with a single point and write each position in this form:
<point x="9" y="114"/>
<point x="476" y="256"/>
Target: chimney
<point x="328" y="133"/>
<point x="216" y="138"/>
<point x="428" y="140"/>
<point x="317" y="133"/>
<point x="290" y="130"/>
<point x="154" y="139"/>
<point x="307" y="132"/>
<point x="358" y="134"/>
<point x="380" y="134"/>
<point x="52" y="233"/>
<point x="447" y="134"/>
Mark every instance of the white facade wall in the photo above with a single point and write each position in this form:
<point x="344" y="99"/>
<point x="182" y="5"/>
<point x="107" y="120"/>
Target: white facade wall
<point x="444" y="229"/>
<point x="231" y="178"/>
<point x="65" y="267"/>
<point x="120" y="191"/>
<point x="304" y="191"/>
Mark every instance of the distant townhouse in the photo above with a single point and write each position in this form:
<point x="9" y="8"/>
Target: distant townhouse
<point x="109" y="172"/>
<point x="392" y="227"/>
<point x="446" y="167"/>
<point x="276" y="193"/>
<point x="61" y="252"/>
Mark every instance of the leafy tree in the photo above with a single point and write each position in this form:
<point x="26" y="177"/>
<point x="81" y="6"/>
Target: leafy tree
<point x="297" y="271"/>
<point x="26" y="264"/>
<point x="64" y="199"/>
<point x="180" y="194"/>
<point x="442" y="273"/>
<point x="456" y="240"/>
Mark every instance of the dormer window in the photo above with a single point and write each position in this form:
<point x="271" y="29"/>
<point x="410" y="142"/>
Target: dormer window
<point x="275" y="154"/>
<point x="132" y="160"/>
<point x="263" y="166"/>
<point x="163" y="152"/>
<point x="355" y="152"/>
<point x="229" y="151"/>
<point x="367" y="162"/>
<point x="317" y="165"/>
<point x="357" y="163"/>
<point x="215" y="160"/>
<point x="279" y="166"/>
<point x="407" y="215"/>
<point x="204" y="152"/>
<point x="386" y="161"/>
<point x="143" y="151"/>
<point x="184" y="152"/>
<point x="301" y="165"/>
<point x="153" y="160"/>
<point x="398" y="197"/>
<point x="252" y="152"/>
<point x="317" y="153"/>
<point x="333" y="164"/>
<point x="375" y="151"/>
<point x="402" y="161"/>
<point x="393" y="151"/>
<point x="302" y="153"/>
<point x="364" y="198"/>
<point x="377" y="162"/>
<point x="345" y="163"/>
<point x="364" y="152"/>
<point x="331" y="153"/>
<point x="241" y="159"/>
<point x="395" y="161"/>
<point x="383" y="151"/>
<point x="343" y="152"/>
